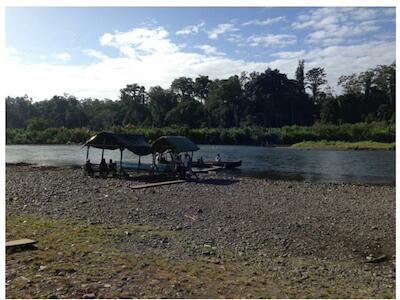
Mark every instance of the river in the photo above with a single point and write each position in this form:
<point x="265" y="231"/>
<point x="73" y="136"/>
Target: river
<point x="377" y="167"/>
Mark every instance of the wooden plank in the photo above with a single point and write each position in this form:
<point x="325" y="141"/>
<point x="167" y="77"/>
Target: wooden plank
<point x="21" y="242"/>
<point x="143" y="186"/>
<point x="213" y="169"/>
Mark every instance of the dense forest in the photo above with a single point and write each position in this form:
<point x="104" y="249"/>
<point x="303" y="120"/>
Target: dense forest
<point x="255" y="100"/>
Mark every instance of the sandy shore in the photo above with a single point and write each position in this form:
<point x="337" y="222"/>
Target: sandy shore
<point x="268" y="223"/>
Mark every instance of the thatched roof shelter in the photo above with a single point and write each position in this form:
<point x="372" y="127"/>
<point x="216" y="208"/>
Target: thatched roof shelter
<point x="175" y="144"/>
<point x="135" y="143"/>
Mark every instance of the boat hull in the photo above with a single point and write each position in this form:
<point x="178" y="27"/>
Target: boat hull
<point x="223" y="164"/>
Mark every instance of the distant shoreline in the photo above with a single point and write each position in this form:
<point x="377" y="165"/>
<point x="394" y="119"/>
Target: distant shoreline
<point x="317" y="145"/>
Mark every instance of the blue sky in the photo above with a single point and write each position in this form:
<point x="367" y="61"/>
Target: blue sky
<point x="93" y="52"/>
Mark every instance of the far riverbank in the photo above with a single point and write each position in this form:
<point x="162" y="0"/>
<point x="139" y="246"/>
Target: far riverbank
<point x="341" y="145"/>
<point x="364" y="133"/>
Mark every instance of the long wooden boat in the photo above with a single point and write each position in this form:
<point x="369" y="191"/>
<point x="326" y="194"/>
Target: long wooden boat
<point x="223" y="164"/>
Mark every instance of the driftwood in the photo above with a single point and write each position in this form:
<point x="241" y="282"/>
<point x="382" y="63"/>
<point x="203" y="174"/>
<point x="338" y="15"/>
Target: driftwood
<point x="143" y="186"/>
<point x="378" y="259"/>
<point x="20" y="243"/>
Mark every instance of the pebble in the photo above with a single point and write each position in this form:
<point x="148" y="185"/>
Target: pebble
<point x="242" y="214"/>
<point x="89" y="296"/>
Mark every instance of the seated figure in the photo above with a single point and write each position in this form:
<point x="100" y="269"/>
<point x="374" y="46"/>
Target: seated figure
<point x="112" y="167"/>
<point x="88" y="170"/>
<point x="103" y="168"/>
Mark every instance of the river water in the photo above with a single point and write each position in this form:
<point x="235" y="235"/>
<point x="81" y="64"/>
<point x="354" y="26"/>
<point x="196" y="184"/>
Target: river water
<point x="267" y="162"/>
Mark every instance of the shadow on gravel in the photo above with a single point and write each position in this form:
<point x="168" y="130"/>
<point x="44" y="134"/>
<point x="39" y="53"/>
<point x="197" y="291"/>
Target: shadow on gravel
<point x="21" y="249"/>
<point x="217" y="181"/>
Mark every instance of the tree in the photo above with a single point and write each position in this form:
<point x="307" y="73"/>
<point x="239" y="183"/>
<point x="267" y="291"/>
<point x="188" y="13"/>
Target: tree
<point x="201" y="87"/>
<point x="37" y="123"/>
<point x="351" y="84"/>
<point x="267" y="99"/>
<point x="315" y="78"/>
<point x="300" y="76"/>
<point x="189" y="113"/>
<point x="184" y="88"/>
<point x="18" y="111"/>
<point x="330" y="111"/>
<point x="224" y="105"/>
<point x="133" y="107"/>
<point x="385" y="80"/>
<point x="272" y="98"/>
<point x="161" y="102"/>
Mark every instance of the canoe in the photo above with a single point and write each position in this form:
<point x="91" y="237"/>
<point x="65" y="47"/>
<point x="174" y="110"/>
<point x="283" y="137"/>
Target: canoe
<point x="224" y="164"/>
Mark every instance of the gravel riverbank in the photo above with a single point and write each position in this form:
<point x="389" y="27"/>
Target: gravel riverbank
<point x="253" y="221"/>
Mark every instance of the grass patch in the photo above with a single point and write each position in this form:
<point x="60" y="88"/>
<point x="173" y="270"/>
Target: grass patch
<point x="341" y="145"/>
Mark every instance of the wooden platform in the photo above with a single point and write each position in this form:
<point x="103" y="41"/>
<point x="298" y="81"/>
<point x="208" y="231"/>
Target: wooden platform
<point x="147" y="185"/>
<point x="20" y="243"/>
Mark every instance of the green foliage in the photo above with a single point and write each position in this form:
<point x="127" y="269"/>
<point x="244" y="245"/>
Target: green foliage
<point x="287" y="135"/>
<point x="257" y="100"/>
<point x="37" y="124"/>
<point x="340" y="145"/>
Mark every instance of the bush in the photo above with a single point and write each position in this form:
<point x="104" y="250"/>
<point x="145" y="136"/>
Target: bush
<point x="287" y="135"/>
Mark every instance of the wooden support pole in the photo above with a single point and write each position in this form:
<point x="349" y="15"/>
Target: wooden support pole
<point x="120" y="161"/>
<point x="102" y="152"/>
<point x="87" y="153"/>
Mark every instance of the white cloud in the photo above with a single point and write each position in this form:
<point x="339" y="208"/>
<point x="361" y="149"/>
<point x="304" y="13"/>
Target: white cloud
<point x="64" y="56"/>
<point x="106" y="39"/>
<point x="10" y="51"/>
<point x="335" y="25"/>
<point x="235" y="38"/>
<point x="209" y="50"/>
<point x="290" y="54"/>
<point x="139" y="41"/>
<point x="264" y="22"/>
<point x="191" y="29"/>
<point x="156" y="60"/>
<point x="94" y="53"/>
<point x="362" y="14"/>
<point x="271" y="39"/>
<point x="221" y="29"/>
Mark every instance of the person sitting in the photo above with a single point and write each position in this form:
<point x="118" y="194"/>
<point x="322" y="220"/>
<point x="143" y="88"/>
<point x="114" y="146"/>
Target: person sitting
<point x="88" y="168"/>
<point x="200" y="161"/>
<point x="163" y="160"/>
<point x="103" y="168"/>
<point x="218" y="158"/>
<point x="112" y="167"/>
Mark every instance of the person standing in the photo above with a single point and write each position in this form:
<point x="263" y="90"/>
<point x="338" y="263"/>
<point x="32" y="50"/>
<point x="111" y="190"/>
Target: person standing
<point x="178" y="165"/>
<point x="190" y="171"/>
<point x="185" y="165"/>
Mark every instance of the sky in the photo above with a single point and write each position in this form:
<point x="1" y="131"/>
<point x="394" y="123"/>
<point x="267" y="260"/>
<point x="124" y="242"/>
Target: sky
<point x="94" y="52"/>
